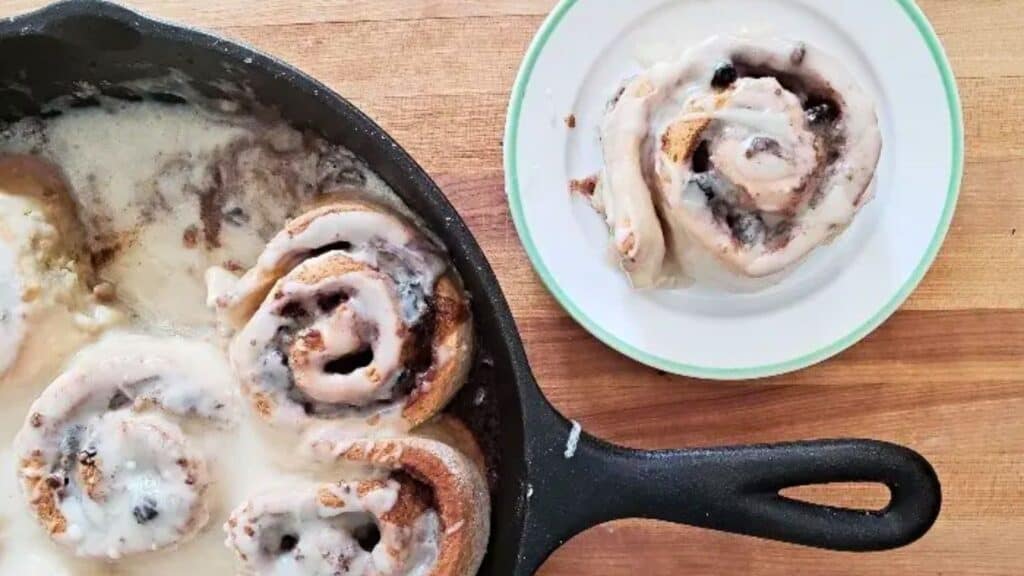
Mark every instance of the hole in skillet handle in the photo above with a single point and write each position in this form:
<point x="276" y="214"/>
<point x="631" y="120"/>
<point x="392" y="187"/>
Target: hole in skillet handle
<point x="864" y="496"/>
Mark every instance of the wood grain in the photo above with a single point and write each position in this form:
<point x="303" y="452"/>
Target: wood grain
<point x="944" y="375"/>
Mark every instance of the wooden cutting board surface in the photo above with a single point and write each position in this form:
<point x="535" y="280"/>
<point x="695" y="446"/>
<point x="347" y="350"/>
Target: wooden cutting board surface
<point x="945" y="375"/>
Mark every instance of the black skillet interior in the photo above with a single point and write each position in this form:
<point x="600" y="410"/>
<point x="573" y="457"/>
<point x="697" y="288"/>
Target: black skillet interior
<point x="542" y="492"/>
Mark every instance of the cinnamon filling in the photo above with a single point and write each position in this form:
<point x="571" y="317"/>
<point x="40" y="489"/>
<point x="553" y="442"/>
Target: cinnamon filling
<point x="417" y="356"/>
<point x="730" y="203"/>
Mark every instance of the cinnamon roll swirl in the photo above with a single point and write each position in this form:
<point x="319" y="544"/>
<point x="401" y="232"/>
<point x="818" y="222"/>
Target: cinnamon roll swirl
<point x="351" y="315"/>
<point x="736" y="161"/>
<point x="103" y="459"/>
<point x="428" y="514"/>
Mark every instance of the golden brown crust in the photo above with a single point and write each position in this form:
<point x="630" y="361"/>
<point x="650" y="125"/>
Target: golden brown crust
<point x="33" y="177"/>
<point x="240" y="312"/>
<point x="328" y="499"/>
<point x="450" y="430"/>
<point x="413" y="500"/>
<point x="457" y="490"/>
<point x="263" y="280"/>
<point x="262" y="404"/>
<point x="441" y="364"/>
<point x="299" y="224"/>
<point x="90" y="476"/>
<point x="452" y="353"/>
<point x="681" y="138"/>
<point x="44" y="502"/>
<point x="330" y="268"/>
<point x="367" y="486"/>
<point x="43" y="494"/>
<point x="584" y="186"/>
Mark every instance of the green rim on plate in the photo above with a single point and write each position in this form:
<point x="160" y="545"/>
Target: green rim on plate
<point x="515" y="202"/>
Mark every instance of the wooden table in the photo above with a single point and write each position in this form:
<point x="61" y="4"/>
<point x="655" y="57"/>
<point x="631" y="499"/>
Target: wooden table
<point x="943" y="376"/>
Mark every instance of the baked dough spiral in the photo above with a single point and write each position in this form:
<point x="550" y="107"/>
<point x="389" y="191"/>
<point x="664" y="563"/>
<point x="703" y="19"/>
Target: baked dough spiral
<point x="103" y="460"/>
<point x="350" y="316"/>
<point x="427" y="514"/>
<point x="737" y="160"/>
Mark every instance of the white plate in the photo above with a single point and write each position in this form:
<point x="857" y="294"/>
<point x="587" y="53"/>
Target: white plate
<point x="844" y="291"/>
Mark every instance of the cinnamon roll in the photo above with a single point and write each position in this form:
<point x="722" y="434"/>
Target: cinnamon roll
<point x="45" y="305"/>
<point x="736" y="161"/>
<point x="351" y="316"/>
<point x="448" y="429"/>
<point x="428" y="515"/>
<point x="103" y="459"/>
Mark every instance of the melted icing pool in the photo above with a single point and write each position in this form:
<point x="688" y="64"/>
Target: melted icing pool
<point x="165" y="192"/>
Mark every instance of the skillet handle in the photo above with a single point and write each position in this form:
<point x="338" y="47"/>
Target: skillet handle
<point x="734" y="489"/>
<point x="737" y="490"/>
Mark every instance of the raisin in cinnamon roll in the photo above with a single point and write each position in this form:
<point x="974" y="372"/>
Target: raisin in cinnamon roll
<point x="736" y="161"/>
<point x="427" y="514"/>
<point x="351" y="316"/>
<point x="103" y="459"/>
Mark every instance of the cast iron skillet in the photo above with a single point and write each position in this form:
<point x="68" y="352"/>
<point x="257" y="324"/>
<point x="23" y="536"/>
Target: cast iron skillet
<point x="541" y="498"/>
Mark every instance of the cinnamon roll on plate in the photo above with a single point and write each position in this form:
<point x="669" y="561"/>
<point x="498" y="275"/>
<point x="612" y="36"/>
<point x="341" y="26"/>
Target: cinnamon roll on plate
<point x="769" y="182"/>
<point x="737" y="160"/>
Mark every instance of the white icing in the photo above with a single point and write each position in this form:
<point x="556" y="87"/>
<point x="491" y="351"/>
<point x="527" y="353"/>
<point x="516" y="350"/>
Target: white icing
<point x="124" y="160"/>
<point x="39" y="284"/>
<point x="318" y="523"/>
<point x="116" y="412"/>
<point x="117" y="159"/>
<point x="367" y="232"/>
<point x="479" y="396"/>
<point x="629" y="208"/>
<point x="12" y="316"/>
<point x="425" y="545"/>
<point x="378" y="274"/>
<point x="320" y="438"/>
<point x="766" y="160"/>
<point x="372" y="302"/>
<point x="220" y="284"/>
<point x="138" y="172"/>
<point x="573" y="441"/>
<point x="771" y="179"/>
<point x="139" y="455"/>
